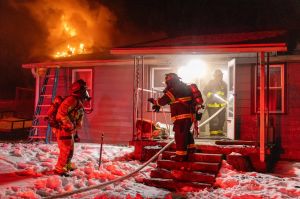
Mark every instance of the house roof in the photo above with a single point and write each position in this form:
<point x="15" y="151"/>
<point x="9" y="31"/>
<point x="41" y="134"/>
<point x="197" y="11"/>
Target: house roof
<point x="267" y="41"/>
<point x="83" y="60"/>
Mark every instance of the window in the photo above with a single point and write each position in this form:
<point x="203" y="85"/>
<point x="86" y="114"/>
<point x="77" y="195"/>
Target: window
<point x="157" y="82"/>
<point x="276" y="89"/>
<point x="87" y="76"/>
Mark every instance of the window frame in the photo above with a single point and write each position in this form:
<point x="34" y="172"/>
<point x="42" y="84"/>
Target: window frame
<point x="90" y="87"/>
<point x="152" y="94"/>
<point x="282" y="67"/>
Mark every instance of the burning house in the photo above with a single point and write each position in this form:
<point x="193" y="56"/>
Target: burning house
<point x="261" y="109"/>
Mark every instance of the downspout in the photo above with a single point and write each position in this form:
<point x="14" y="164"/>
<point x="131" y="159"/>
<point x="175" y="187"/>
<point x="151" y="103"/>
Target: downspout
<point x="37" y="86"/>
<point x="262" y="122"/>
<point x="134" y="100"/>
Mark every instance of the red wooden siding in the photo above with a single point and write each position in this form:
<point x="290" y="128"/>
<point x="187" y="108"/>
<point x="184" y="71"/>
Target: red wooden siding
<point x="246" y="122"/>
<point x="288" y="125"/>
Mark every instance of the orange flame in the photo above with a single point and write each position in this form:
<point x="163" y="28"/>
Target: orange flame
<point x="73" y="49"/>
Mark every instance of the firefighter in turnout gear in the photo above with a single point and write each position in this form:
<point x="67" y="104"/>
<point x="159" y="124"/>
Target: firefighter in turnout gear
<point x="70" y="117"/>
<point x="180" y="98"/>
<point x="215" y="91"/>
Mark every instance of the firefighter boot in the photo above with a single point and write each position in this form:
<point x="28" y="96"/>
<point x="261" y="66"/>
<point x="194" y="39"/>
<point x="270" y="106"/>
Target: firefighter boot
<point x="71" y="166"/>
<point x="191" y="152"/>
<point x="179" y="158"/>
<point x="220" y="133"/>
<point x="61" y="171"/>
<point x="214" y="133"/>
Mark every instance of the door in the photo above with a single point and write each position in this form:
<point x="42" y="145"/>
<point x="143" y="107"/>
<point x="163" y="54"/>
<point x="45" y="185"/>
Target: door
<point x="231" y="100"/>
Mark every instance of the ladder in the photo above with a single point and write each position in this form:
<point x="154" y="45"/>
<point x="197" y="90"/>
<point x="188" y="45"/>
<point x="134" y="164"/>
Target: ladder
<point x="40" y="128"/>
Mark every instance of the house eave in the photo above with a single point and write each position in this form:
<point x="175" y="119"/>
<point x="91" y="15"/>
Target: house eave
<point x="87" y="63"/>
<point x="235" y="48"/>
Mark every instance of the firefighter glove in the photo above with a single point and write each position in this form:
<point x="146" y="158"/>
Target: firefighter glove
<point x="76" y="137"/>
<point x="67" y="126"/>
<point x="199" y="112"/>
<point x="156" y="108"/>
<point x="152" y="100"/>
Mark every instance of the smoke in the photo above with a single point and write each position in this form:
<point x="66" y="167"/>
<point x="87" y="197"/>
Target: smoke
<point x="71" y="23"/>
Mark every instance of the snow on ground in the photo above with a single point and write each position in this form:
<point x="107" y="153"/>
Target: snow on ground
<point x="22" y="167"/>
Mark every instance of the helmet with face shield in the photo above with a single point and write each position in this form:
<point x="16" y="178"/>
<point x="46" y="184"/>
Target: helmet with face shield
<point x="79" y="89"/>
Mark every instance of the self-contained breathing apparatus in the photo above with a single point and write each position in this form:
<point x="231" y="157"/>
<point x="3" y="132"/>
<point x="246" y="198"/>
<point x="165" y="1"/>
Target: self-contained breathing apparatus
<point x="197" y="101"/>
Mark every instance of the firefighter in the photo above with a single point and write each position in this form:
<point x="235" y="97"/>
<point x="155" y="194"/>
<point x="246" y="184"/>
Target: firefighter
<point x="70" y="117"/>
<point x="215" y="91"/>
<point x="179" y="96"/>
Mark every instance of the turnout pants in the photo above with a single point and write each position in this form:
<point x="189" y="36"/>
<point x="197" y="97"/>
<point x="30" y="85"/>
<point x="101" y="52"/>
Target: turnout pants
<point x="217" y="123"/>
<point x="65" y="143"/>
<point x="183" y="137"/>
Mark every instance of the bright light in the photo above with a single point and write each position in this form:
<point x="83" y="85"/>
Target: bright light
<point x="195" y="69"/>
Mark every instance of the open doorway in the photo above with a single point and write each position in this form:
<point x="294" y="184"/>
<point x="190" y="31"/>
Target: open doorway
<point x="191" y="69"/>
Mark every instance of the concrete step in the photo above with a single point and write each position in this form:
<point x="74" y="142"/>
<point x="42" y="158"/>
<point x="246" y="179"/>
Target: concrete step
<point x="181" y="175"/>
<point x="189" y="166"/>
<point x="173" y="185"/>
<point x="197" y="157"/>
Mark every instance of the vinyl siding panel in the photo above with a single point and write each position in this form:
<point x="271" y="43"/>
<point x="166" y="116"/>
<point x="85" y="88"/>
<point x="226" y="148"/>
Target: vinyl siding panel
<point x="246" y="123"/>
<point x="112" y="104"/>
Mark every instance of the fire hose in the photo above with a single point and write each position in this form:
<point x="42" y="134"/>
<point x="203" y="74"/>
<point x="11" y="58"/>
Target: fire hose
<point x="130" y="174"/>
<point x="112" y="181"/>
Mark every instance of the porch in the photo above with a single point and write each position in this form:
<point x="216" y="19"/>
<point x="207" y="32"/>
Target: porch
<point x="242" y="155"/>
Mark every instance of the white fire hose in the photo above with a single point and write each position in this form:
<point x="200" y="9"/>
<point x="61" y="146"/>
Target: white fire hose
<point x="113" y="181"/>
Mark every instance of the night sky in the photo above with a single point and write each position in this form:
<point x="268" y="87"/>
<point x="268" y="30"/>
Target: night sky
<point x="29" y="29"/>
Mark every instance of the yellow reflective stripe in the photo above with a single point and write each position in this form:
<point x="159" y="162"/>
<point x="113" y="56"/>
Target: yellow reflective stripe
<point x="217" y="132"/>
<point x="183" y="99"/>
<point x="220" y="93"/>
<point x="171" y="96"/>
<point x="180" y="117"/>
<point x="215" y="105"/>
<point x="191" y="146"/>
<point x="209" y="94"/>
<point x="214" y="132"/>
<point x="181" y="152"/>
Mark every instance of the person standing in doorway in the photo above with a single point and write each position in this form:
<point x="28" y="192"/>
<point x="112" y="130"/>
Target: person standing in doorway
<point x="216" y="96"/>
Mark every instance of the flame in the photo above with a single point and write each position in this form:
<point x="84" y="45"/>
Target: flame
<point x="67" y="27"/>
<point x="71" y="27"/>
<point x="70" y="49"/>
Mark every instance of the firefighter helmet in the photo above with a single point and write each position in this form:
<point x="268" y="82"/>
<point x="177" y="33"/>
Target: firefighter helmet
<point x="218" y="72"/>
<point x="171" y="79"/>
<point x="79" y="88"/>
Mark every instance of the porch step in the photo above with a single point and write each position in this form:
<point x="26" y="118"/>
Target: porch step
<point x="189" y="166"/>
<point x="39" y="126"/>
<point x="197" y="157"/>
<point x="37" y="137"/>
<point x="175" y="185"/>
<point x="197" y="173"/>
<point x="181" y="175"/>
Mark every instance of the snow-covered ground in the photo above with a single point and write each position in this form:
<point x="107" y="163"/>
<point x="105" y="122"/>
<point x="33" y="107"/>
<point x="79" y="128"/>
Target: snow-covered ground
<point x="22" y="167"/>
